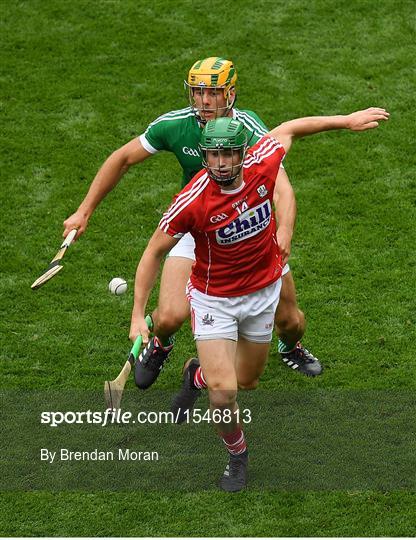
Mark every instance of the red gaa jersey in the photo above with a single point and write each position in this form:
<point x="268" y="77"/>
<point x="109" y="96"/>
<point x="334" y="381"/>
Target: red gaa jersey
<point x="235" y="231"/>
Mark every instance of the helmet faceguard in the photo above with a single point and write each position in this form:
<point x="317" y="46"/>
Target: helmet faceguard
<point x="223" y="138"/>
<point x="214" y="73"/>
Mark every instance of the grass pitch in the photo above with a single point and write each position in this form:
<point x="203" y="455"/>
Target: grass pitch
<point x="78" y="80"/>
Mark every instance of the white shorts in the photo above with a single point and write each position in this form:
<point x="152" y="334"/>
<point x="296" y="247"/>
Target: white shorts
<point x="250" y="316"/>
<point x="186" y="248"/>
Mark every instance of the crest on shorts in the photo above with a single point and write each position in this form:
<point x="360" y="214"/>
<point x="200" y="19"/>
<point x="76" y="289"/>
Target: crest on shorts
<point x="262" y="191"/>
<point x="207" y="320"/>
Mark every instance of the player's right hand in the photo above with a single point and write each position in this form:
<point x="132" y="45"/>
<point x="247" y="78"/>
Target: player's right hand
<point x="138" y="327"/>
<point x="366" y="119"/>
<point x="78" y="221"/>
<point x="284" y="239"/>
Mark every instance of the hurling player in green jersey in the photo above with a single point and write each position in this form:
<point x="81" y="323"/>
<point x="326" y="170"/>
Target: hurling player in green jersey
<point x="211" y="90"/>
<point x="180" y="132"/>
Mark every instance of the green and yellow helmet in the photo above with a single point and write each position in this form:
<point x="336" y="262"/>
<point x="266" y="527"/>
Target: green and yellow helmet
<point x="213" y="72"/>
<point x="220" y="136"/>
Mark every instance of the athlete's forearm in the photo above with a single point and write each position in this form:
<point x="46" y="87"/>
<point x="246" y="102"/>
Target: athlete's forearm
<point x="105" y="180"/>
<point x="146" y="274"/>
<point x="148" y="268"/>
<point x="111" y="172"/>
<point x="285" y="202"/>
<point x="301" y="127"/>
<point x="285" y="207"/>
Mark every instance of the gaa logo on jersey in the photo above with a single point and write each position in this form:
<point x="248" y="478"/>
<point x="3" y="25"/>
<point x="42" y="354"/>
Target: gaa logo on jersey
<point x="250" y="223"/>
<point x="190" y="151"/>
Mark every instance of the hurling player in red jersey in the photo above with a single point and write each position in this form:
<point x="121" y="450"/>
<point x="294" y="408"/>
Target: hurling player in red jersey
<point x="236" y="279"/>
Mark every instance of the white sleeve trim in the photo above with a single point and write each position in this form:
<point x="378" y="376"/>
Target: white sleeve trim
<point x="146" y="145"/>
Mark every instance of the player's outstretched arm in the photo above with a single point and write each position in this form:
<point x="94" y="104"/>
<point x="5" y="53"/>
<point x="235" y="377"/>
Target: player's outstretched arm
<point x="106" y="179"/>
<point x="146" y="274"/>
<point x="356" y="121"/>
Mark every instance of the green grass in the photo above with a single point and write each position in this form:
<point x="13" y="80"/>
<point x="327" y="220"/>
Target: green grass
<point x="252" y="513"/>
<point x="81" y="78"/>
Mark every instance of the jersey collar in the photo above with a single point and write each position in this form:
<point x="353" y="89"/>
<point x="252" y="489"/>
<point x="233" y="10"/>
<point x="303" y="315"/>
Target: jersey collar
<point x="233" y="191"/>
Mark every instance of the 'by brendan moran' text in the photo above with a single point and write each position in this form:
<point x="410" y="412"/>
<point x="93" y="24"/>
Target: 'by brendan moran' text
<point x="122" y="454"/>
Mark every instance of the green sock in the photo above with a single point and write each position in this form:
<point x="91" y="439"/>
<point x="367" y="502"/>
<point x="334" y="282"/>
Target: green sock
<point x="167" y="342"/>
<point x="283" y="348"/>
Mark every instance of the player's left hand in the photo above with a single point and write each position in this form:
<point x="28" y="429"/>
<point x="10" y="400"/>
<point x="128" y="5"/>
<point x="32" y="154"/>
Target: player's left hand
<point x="284" y="239"/>
<point x="367" y="119"/>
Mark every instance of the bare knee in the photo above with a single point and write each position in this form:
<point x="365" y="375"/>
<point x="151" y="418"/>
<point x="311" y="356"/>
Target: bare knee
<point x="248" y="385"/>
<point x="167" y="320"/>
<point x="221" y="397"/>
<point x="290" y="320"/>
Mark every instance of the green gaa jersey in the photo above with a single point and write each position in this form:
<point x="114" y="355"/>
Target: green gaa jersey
<point x="180" y="132"/>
